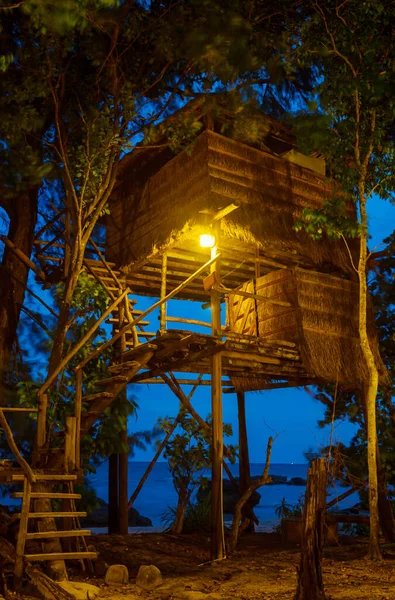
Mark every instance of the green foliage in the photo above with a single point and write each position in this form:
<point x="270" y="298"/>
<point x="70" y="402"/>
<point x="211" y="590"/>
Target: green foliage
<point x="197" y="517"/>
<point x="353" y="118"/>
<point x="188" y="453"/>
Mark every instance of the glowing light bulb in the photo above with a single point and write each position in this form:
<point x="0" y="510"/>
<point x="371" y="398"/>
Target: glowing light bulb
<point x="207" y="240"/>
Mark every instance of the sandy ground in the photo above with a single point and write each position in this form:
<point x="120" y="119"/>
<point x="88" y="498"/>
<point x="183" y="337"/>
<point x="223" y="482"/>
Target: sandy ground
<point x="260" y="569"/>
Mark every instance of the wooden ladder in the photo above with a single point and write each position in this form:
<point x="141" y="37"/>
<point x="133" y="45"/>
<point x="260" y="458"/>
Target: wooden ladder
<point x="26" y="514"/>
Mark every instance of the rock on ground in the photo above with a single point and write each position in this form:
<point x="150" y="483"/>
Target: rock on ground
<point x="117" y="575"/>
<point x="80" y="591"/>
<point x="149" y="577"/>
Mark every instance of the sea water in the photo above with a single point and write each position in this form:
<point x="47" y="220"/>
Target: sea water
<point x="158" y="492"/>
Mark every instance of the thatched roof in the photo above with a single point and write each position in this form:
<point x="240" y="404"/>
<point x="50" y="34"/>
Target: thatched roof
<point x="271" y="191"/>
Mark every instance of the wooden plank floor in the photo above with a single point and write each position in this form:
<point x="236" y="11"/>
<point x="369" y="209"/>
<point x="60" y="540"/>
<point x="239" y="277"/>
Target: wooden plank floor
<point x="189" y="352"/>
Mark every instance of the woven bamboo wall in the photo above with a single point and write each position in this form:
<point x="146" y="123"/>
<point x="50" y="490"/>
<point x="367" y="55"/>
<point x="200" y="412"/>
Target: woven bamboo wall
<point x="242" y="311"/>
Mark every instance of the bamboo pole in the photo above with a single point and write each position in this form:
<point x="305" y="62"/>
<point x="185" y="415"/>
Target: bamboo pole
<point x="14" y="449"/>
<point x="176" y="290"/>
<point x="22" y="257"/>
<point x="162" y="309"/>
<point x="153" y="462"/>
<point x="217" y="514"/>
<point x="160" y="448"/>
<point x="80" y="344"/>
<point x="188" y="321"/>
<point x="77" y="414"/>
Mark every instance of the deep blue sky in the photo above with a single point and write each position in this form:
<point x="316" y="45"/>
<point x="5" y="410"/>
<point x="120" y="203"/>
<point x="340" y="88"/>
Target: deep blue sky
<point x="290" y="413"/>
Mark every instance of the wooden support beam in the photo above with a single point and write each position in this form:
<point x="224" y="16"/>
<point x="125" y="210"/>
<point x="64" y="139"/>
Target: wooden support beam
<point x="77" y="414"/>
<point x="217" y="513"/>
<point x="14" y="449"/>
<point x="162" y="308"/>
<point x="22" y="257"/>
<point x="188" y="321"/>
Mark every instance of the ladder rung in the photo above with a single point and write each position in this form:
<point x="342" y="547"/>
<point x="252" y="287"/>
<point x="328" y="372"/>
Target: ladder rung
<point x="58" y="534"/>
<point x="45" y="450"/>
<point x="48" y="495"/>
<point x="125" y="322"/>
<point x="49" y="515"/>
<point x="60" y="556"/>
<point x="93" y="397"/>
<point x="46" y="477"/>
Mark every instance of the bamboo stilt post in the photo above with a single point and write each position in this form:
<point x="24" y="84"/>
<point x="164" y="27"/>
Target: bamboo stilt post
<point x="177" y="391"/>
<point x="130" y="320"/>
<point x="163" y="293"/>
<point x="310" y="584"/>
<point x="217" y="514"/>
<point x="70" y="445"/>
<point x="123" y="464"/>
<point x="41" y="435"/>
<point x="113" y="496"/>
<point x="123" y="457"/>
<point x="77" y="414"/>
<point x="23" y="523"/>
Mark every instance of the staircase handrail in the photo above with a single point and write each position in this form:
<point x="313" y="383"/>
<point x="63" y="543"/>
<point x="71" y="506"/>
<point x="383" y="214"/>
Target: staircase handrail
<point x="47" y="384"/>
<point x="154" y="306"/>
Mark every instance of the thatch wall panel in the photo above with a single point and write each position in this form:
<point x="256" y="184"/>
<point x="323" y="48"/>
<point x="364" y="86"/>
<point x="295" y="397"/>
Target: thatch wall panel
<point x="260" y="173"/>
<point x="271" y="190"/>
<point x="269" y="161"/>
<point x="323" y="321"/>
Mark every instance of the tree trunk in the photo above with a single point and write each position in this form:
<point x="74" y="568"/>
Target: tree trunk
<point x="310" y="585"/>
<point x="370" y="385"/>
<point x="14" y="273"/>
<point x="386" y="517"/>
<point x="244" y="459"/>
<point x="113" y="498"/>
<point x="180" y="512"/>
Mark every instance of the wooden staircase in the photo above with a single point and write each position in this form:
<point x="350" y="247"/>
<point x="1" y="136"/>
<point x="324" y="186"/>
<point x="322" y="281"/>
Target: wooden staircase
<point x="69" y="515"/>
<point x="95" y="404"/>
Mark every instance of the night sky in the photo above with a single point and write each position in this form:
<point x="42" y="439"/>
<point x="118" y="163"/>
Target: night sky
<point x="291" y="413"/>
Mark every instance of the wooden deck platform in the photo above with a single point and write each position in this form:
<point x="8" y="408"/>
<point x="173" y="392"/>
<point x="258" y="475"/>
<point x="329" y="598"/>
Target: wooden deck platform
<point x="258" y="361"/>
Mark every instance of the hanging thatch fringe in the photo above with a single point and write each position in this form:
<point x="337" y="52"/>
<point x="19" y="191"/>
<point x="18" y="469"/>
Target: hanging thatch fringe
<point x="323" y="322"/>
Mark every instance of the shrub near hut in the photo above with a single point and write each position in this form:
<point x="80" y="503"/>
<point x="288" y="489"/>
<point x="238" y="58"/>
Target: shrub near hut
<point x="188" y="454"/>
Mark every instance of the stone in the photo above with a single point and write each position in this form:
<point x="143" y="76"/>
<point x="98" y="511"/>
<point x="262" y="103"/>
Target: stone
<point x="79" y="590"/>
<point x="149" y="577"/>
<point x="117" y="575"/>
